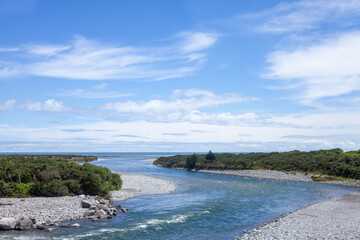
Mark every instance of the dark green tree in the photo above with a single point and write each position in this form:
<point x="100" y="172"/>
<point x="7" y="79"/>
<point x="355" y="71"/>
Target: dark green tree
<point x="191" y="161"/>
<point x="210" y="156"/>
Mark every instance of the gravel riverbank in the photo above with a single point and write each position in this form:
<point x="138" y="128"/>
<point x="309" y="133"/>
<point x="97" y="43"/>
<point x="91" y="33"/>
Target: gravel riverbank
<point x="278" y="175"/>
<point x="59" y="209"/>
<point x="334" y="219"/>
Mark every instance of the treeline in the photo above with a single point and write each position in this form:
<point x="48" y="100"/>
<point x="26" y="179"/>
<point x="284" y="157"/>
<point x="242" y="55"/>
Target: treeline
<point x="334" y="162"/>
<point x="51" y="176"/>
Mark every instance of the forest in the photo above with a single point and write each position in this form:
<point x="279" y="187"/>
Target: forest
<point x="333" y="162"/>
<point x="54" y="175"/>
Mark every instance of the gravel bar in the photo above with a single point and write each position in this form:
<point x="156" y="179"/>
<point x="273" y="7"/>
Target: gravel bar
<point x="333" y="219"/>
<point x="278" y="175"/>
<point x="60" y="209"/>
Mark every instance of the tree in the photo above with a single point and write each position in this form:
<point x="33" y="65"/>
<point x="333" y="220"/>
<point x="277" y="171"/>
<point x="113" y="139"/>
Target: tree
<point x="191" y="161"/>
<point x="210" y="156"/>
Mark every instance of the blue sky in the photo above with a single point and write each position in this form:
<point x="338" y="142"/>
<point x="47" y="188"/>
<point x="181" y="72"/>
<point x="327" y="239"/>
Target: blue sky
<point x="179" y="75"/>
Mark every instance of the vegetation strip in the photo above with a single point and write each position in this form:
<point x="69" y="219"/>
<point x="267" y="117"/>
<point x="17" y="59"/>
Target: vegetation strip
<point x="335" y="164"/>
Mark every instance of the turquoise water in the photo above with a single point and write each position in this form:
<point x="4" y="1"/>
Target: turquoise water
<point x="203" y="207"/>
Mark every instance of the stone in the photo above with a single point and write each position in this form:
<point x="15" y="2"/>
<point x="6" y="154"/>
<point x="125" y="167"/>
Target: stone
<point x="89" y="213"/>
<point x="124" y="210"/>
<point x="32" y="219"/>
<point x="103" y="207"/>
<point x="40" y="227"/>
<point x="7" y="223"/>
<point x="50" y="229"/>
<point x="103" y="201"/>
<point x="24" y="224"/>
<point x="101" y="214"/>
<point x="82" y="196"/>
<point x="64" y="225"/>
<point x="49" y="223"/>
<point x="76" y="225"/>
<point x="86" y="204"/>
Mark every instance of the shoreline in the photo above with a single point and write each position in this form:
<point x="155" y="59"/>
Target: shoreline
<point x="54" y="210"/>
<point x="331" y="219"/>
<point x="278" y="175"/>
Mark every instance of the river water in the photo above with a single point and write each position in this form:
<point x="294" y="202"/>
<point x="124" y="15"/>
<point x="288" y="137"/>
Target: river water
<point x="203" y="207"/>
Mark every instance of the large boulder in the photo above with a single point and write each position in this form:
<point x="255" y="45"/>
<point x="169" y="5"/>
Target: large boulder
<point x="8" y="223"/>
<point x="24" y="224"/>
<point x="86" y="204"/>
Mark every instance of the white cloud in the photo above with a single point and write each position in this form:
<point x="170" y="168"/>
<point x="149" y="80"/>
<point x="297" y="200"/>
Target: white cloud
<point x="196" y="41"/>
<point x="9" y="49"/>
<point x="50" y="105"/>
<point x="100" y="86"/>
<point x="182" y="105"/>
<point x="47" y="50"/>
<point x="8" y="105"/>
<point x="98" y="93"/>
<point x="307" y="14"/>
<point x="327" y="69"/>
<point x="92" y="60"/>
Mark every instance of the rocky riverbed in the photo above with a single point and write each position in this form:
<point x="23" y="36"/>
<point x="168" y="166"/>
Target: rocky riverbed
<point x="48" y="211"/>
<point x="334" y="219"/>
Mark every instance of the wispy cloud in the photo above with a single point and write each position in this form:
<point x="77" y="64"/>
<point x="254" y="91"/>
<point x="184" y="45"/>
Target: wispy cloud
<point x="8" y="105"/>
<point x="327" y="69"/>
<point x="306" y="15"/>
<point x="50" y="105"/>
<point x="182" y="105"/>
<point x="83" y="58"/>
<point x="92" y="94"/>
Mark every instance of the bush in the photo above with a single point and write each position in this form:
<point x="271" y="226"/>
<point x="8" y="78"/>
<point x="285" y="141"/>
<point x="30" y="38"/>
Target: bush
<point x="50" y="176"/>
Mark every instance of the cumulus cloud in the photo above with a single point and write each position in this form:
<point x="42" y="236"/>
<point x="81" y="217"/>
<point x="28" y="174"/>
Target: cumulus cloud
<point x="327" y="69"/>
<point x="88" y="59"/>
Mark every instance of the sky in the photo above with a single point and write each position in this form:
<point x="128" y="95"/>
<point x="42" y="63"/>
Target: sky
<point x="179" y="76"/>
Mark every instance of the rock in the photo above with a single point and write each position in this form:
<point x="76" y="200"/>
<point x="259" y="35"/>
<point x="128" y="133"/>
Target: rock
<point x="89" y="213"/>
<point x="86" y="204"/>
<point x="92" y="208"/>
<point x="103" y="207"/>
<point x="124" y="210"/>
<point x="24" y="224"/>
<point x="39" y="226"/>
<point x="7" y="223"/>
<point x="101" y="214"/>
<point x="82" y="196"/>
<point x="75" y="225"/>
<point x="32" y="219"/>
<point x="64" y="225"/>
<point x="50" y="229"/>
<point x="103" y="201"/>
<point x="49" y="223"/>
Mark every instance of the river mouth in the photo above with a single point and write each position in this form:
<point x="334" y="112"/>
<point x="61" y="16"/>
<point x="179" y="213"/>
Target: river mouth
<point x="204" y="206"/>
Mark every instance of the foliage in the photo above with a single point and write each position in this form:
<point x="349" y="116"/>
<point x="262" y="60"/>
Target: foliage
<point x="210" y="156"/>
<point x="50" y="176"/>
<point x="191" y="162"/>
<point x="333" y="162"/>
